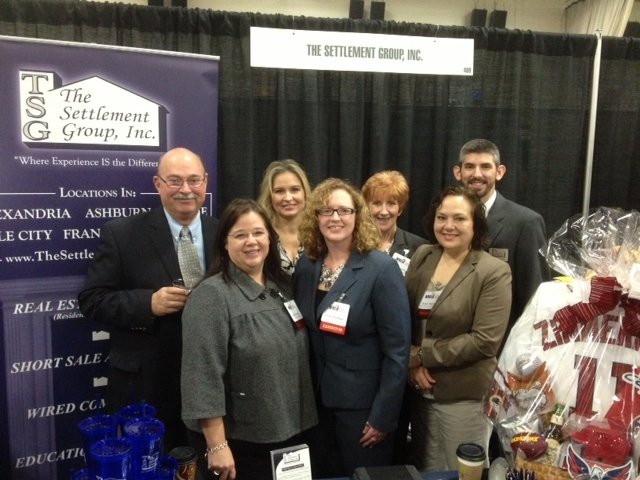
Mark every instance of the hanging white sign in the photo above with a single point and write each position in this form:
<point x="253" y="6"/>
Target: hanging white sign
<point x="360" y="52"/>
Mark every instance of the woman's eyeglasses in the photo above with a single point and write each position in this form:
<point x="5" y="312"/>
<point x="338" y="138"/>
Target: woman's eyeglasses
<point x="342" y="211"/>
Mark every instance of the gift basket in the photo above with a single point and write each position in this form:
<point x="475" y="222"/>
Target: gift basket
<point x="565" y="400"/>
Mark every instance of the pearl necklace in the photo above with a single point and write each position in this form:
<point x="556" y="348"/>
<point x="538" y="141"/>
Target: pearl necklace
<point x="329" y="276"/>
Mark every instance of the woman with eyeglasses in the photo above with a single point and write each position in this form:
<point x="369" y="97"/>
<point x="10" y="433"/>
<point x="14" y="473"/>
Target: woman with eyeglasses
<point x="354" y="303"/>
<point x="246" y="381"/>
<point x="283" y="193"/>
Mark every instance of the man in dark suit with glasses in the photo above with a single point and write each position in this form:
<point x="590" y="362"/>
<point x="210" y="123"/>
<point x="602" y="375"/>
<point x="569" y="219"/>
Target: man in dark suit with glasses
<point x="133" y="288"/>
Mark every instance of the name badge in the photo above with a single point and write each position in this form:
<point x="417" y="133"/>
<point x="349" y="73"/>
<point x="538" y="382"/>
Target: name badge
<point x="501" y="253"/>
<point x="334" y="318"/>
<point x="429" y="299"/>
<point x="294" y="314"/>
<point x="403" y="262"/>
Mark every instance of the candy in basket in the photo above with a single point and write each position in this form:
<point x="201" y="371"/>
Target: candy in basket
<point x="566" y="394"/>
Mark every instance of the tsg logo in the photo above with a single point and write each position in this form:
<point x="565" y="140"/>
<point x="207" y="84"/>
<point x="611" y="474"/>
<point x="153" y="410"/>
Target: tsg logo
<point x="91" y="112"/>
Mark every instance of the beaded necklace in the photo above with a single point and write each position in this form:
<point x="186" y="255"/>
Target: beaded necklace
<point x="329" y="276"/>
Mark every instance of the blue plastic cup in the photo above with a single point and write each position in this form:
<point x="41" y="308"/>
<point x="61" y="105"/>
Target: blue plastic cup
<point x="145" y="435"/>
<point x="82" y="474"/>
<point x="94" y="428"/>
<point x="167" y="468"/>
<point x="135" y="411"/>
<point x="111" y="458"/>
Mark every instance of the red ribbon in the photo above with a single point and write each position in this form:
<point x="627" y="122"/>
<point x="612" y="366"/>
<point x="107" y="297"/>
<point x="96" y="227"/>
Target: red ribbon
<point x="605" y="294"/>
<point x="631" y="319"/>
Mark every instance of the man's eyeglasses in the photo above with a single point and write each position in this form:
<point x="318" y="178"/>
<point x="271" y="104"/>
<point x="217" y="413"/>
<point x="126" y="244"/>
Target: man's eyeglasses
<point x="342" y="211"/>
<point x="177" y="182"/>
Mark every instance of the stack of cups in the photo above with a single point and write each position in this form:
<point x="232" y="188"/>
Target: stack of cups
<point x="95" y="428"/>
<point x="131" y="452"/>
<point x="145" y="435"/>
<point x="135" y="411"/>
<point x="111" y="458"/>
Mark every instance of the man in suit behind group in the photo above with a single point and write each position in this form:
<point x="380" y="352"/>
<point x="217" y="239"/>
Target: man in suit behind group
<point x="517" y="232"/>
<point x="129" y="288"/>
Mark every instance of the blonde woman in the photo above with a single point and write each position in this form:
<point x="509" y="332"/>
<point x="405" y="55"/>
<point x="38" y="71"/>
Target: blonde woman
<point x="283" y="193"/>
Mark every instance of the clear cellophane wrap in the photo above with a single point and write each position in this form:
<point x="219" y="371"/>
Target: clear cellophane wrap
<point x="577" y="344"/>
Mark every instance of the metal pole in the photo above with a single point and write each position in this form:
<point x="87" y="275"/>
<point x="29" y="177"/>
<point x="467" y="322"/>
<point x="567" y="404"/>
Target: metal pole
<point x="588" y="169"/>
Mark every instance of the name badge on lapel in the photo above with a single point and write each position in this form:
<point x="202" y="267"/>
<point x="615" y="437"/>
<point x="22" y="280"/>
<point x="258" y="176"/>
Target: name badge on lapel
<point x="427" y="302"/>
<point x="501" y="253"/>
<point x="292" y="309"/>
<point x="429" y="299"/>
<point x="403" y="262"/>
<point x="334" y="318"/>
<point x="294" y="314"/>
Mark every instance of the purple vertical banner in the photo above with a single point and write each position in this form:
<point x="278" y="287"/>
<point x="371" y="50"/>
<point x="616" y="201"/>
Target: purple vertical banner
<point x="81" y="132"/>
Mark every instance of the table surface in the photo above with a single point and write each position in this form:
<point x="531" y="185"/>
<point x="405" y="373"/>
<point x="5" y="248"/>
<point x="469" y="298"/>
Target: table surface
<point x="446" y="475"/>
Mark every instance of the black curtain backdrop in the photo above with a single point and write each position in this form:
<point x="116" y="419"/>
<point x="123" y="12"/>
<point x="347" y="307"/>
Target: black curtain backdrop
<point x="530" y="94"/>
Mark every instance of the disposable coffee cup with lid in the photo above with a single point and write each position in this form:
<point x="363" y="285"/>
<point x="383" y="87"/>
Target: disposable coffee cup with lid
<point x="186" y="458"/>
<point x="471" y="458"/>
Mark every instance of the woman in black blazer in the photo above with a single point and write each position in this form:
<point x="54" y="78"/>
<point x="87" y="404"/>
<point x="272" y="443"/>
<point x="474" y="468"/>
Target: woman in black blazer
<point x="387" y="196"/>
